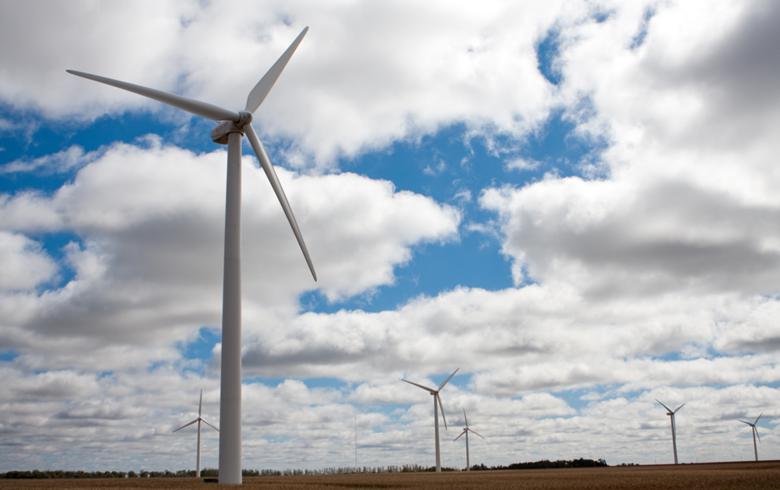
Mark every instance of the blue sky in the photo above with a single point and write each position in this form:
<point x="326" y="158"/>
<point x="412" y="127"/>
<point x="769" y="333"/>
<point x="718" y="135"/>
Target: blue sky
<point x="572" y="202"/>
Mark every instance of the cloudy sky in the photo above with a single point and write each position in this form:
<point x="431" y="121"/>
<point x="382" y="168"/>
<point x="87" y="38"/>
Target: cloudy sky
<point x="574" y="202"/>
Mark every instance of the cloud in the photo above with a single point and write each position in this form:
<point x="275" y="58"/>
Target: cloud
<point x="27" y="211"/>
<point x="128" y="419"/>
<point x="147" y="263"/>
<point x="403" y="77"/>
<point x="25" y="263"/>
<point x="51" y="385"/>
<point x="532" y="338"/>
<point x="6" y="125"/>
<point x="61" y="162"/>
<point x="522" y="164"/>
<point x="686" y="200"/>
<point x="618" y="237"/>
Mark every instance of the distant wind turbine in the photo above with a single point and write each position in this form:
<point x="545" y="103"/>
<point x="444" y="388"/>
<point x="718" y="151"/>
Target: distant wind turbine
<point x="437" y="406"/>
<point x="233" y="125"/>
<point x="754" y="430"/>
<point x="198" y="421"/>
<point x="671" y="413"/>
<point x="466" y="431"/>
<point x="355" y="441"/>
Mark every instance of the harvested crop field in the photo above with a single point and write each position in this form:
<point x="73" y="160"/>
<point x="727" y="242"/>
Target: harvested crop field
<point x="702" y="476"/>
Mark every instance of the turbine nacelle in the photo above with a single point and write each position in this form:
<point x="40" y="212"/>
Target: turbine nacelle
<point x="221" y="131"/>
<point x="753" y="425"/>
<point x="669" y="411"/>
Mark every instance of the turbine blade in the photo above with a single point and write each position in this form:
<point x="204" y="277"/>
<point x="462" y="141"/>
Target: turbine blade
<point x="429" y="390"/>
<point x="200" y="403"/>
<point x="186" y="425"/>
<point x="746" y="423"/>
<point x="759" y="416"/>
<point x="204" y="421"/>
<point x="465" y="419"/>
<point x="475" y="432"/>
<point x="448" y="379"/>
<point x="277" y="187"/>
<point x="258" y="94"/>
<point x="667" y="408"/>
<point x="190" y="105"/>
<point x="461" y="435"/>
<point x="441" y="409"/>
<point x="678" y="408"/>
<point x="757" y="434"/>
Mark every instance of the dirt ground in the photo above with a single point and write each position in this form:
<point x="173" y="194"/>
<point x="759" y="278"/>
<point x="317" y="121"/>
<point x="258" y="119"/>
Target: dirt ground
<point x="690" y="476"/>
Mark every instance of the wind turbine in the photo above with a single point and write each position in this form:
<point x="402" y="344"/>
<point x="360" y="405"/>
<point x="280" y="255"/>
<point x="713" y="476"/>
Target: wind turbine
<point x="198" y="420"/>
<point x="671" y="414"/>
<point x="437" y="406"/>
<point x="356" y="442"/>
<point x="232" y="126"/>
<point x="466" y="431"/>
<point x="754" y="430"/>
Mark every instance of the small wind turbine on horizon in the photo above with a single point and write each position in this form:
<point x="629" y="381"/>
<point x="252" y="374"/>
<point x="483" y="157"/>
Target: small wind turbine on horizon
<point x="437" y="406"/>
<point x="671" y="413"/>
<point x="198" y="421"/>
<point x="231" y="128"/>
<point x="466" y="431"/>
<point x="754" y="430"/>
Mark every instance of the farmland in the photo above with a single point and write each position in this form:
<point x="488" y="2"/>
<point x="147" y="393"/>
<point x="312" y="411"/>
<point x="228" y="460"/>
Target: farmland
<point x="703" y="476"/>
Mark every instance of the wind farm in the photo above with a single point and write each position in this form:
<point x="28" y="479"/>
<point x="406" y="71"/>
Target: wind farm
<point x="573" y="202"/>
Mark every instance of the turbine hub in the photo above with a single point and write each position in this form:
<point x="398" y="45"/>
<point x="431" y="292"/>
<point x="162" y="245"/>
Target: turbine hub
<point x="244" y="118"/>
<point x="220" y="133"/>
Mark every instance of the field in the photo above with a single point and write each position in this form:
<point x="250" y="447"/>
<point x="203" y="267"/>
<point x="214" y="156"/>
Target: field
<point x="701" y="476"/>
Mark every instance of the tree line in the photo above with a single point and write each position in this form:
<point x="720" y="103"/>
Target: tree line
<point x="212" y="472"/>
<point x="208" y="472"/>
<point x="546" y="464"/>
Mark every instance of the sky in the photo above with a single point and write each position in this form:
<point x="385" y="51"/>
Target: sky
<point x="574" y="202"/>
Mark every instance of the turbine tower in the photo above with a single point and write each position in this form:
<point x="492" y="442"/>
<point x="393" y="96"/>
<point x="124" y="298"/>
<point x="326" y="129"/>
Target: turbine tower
<point x="466" y="431"/>
<point x="671" y="413"/>
<point x="198" y="420"/>
<point x="232" y="126"/>
<point x="437" y="406"/>
<point x="754" y="430"/>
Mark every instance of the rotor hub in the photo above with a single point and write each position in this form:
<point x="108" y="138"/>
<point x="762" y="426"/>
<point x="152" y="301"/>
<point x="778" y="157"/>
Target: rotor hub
<point x="244" y="118"/>
<point x="220" y="133"/>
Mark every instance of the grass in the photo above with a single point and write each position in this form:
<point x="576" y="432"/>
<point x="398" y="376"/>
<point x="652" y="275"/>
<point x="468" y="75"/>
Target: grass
<point x="694" y="476"/>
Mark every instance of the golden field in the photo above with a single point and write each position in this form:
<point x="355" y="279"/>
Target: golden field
<point x="693" y="476"/>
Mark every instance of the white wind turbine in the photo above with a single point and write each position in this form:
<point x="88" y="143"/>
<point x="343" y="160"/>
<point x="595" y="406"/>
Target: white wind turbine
<point x="754" y="430"/>
<point x="437" y="406"/>
<point x="233" y="125"/>
<point x="671" y="413"/>
<point x="466" y="431"/>
<point x="198" y="421"/>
